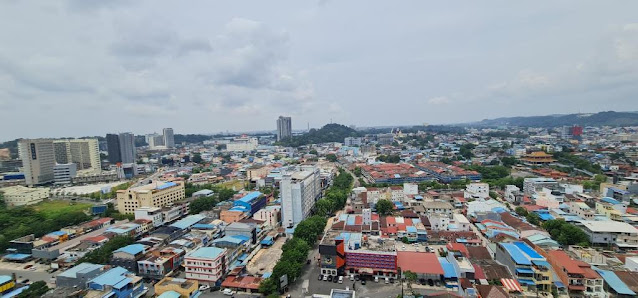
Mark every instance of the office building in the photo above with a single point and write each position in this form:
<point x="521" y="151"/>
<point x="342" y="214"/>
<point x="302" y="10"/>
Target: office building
<point x="299" y="189"/>
<point x="154" y="141"/>
<point x="243" y="143"/>
<point x="532" y="185"/>
<point x="154" y="194"/>
<point x="169" y="138"/>
<point x="84" y="153"/>
<point x="113" y="148"/>
<point x="284" y="128"/>
<point x="38" y="160"/>
<point x="20" y="195"/>
<point x="352" y="141"/>
<point x="64" y="173"/>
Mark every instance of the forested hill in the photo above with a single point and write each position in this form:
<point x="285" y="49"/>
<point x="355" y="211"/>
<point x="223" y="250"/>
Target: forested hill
<point x="329" y="133"/>
<point x="610" y="118"/>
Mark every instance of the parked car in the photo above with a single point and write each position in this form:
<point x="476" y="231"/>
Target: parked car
<point x="28" y="266"/>
<point x="340" y="279"/>
<point x="357" y="277"/>
<point x="329" y="277"/>
<point x="308" y="261"/>
<point x="430" y="282"/>
<point x="363" y="281"/>
<point x="387" y="280"/>
<point x="335" y="279"/>
<point x="325" y="277"/>
<point x="228" y="292"/>
<point x="204" y="288"/>
<point x="351" y="277"/>
<point x="391" y="280"/>
<point x="320" y="276"/>
<point x="376" y="279"/>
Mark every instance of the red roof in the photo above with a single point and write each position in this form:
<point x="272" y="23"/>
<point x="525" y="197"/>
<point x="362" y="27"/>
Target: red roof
<point x="460" y="247"/>
<point x="478" y="272"/>
<point x="96" y="239"/>
<point x="390" y="220"/>
<point x="419" y="262"/>
<point x="531" y="208"/>
<point x="242" y="282"/>
<point x="562" y="259"/>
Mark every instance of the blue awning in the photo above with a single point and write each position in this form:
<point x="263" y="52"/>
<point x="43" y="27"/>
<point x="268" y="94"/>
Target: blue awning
<point x="524" y="270"/>
<point x="528" y="282"/>
<point x="559" y="284"/>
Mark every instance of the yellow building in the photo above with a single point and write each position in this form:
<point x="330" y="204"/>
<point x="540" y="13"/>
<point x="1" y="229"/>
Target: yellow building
<point x="6" y="283"/>
<point x="537" y="158"/>
<point x="155" y="194"/>
<point x="186" y="288"/>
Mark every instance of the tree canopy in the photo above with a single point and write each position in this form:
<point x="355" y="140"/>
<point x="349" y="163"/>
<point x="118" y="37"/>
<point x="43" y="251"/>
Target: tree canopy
<point x="565" y="233"/>
<point x="384" y="207"/>
<point x="329" y="133"/>
<point x="102" y="255"/>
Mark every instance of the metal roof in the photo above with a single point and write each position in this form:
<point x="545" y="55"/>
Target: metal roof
<point x="188" y="221"/>
<point x="615" y="283"/>
<point x="82" y="268"/>
<point x="132" y="249"/>
<point x="206" y="252"/>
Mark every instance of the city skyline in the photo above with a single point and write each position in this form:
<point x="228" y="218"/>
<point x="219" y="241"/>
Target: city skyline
<point x="223" y="64"/>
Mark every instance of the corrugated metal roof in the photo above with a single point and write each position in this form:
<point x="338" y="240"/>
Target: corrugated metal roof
<point x="132" y="249"/>
<point x="615" y="283"/>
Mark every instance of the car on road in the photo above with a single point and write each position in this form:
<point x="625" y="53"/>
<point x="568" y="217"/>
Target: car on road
<point x="308" y="261"/>
<point x="25" y="281"/>
<point x="204" y="288"/>
<point x="320" y="276"/>
<point x="28" y="266"/>
<point x="228" y="292"/>
<point x="33" y="269"/>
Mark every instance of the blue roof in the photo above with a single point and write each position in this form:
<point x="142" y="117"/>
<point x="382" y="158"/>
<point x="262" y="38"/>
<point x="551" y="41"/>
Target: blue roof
<point x="448" y="268"/>
<point x="545" y="216"/>
<point x="4" y="278"/>
<point x="528" y="282"/>
<point x="528" y="250"/>
<point x="166" y="185"/>
<point x="266" y="274"/>
<point x="203" y="226"/>
<point x="615" y="283"/>
<point x="207" y="252"/>
<point x="188" y="221"/>
<point x="542" y="263"/>
<point x="516" y="254"/>
<point x="58" y="233"/>
<point x="498" y="209"/>
<point x="610" y="200"/>
<point x="132" y="249"/>
<point x="410" y="229"/>
<point x="82" y="268"/>
<point x="169" y="294"/>
<point x="113" y="277"/>
<point x="15" y="292"/>
<point x="418" y="198"/>
<point x="618" y="190"/>
<point x="559" y="284"/>
<point x="18" y="257"/>
<point x="229" y="239"/>
<point x="250" y="197"/>
<point x="241" y="237"/>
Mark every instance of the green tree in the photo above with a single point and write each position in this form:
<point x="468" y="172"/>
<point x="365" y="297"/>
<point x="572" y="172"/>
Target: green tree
<point x="357" y="171"/>
<point x="331" y="157"/>
<point x="521" y="211"/>
<point x="384" y="207"/>
<point x="324" y="207"/>
<point x="493" y="195"/>
<point x="533" y="218"/>
<point x="36" y="289"/>
<point x="313" y="151"/>
<point x="103" y="254"/>
<point x="509" y="161"/>
<point x="197" y="158"/>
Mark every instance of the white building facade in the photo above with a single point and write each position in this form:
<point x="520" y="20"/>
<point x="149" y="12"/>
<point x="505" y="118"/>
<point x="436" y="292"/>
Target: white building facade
<point x="299" y="192"/>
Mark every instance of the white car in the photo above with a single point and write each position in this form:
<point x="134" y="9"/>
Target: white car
<point x="228" y="292"/>
<point x="204" y="288"/>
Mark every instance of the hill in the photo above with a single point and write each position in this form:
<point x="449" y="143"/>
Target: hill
<point x="329" y="133"/>
<point x="610" y="118"/>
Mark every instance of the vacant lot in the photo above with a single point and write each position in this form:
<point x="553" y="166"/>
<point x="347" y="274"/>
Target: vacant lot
<point x="266" y="258"/>
<point x="52" y="209"/>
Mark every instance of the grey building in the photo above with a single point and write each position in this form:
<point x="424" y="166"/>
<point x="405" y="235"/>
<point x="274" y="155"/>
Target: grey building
<point x="169" y="138"/>
<point x="128" y="256"/>
<point x="127" y="147"/>
<point x="78" y="276"/>
<point x="38" y="160"/>
<point x="113" y="148"/>
<point x="284" y="128"/>
<point x="241" y="229"/>
<point x="64" y="173"/>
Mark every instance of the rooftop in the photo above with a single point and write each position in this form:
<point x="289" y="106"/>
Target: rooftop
<point x="206" y="252"/>
<point x="79" y="269"/>
<point x="419" y="262"/>
<point x="609" y="226"/>
<point x="132" y="249"/>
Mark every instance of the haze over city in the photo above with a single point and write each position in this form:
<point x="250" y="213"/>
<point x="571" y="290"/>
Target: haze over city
<point x="77" y="68"/>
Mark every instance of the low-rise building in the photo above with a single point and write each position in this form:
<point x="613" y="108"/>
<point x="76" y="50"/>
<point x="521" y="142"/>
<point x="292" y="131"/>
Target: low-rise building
<point x="205" y="264"/>
<point x="118" y="283"/>
<point x="128" y="256"/>
<point x="21" y="196"/>
<point x="78" y="276"/>
<point x="526" y="265"/>
<point x="154" y="214"/>
<point x="154" y="194"/>
<point x="578" y="276"/>
<point x="183" y="287"/>
<point x="608" y="232"/>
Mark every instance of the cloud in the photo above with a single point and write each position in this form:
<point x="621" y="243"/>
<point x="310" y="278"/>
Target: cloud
<point x="439" y="100"/>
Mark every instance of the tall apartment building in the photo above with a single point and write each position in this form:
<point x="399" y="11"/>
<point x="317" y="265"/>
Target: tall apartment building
<point x="38" y="160"/>
<point x="169" y="138"/>
<point x="155" y="194"/>
<point x="113" y="148"/>
<point x="299" y="189"/>
<point x="121" y="148"/>
<point x="84" y="153"/>
<point x="284" y="128"/>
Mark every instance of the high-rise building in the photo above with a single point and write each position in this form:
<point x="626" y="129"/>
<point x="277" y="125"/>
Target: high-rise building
<point x="300" y="189"/>
<point x="121" y="148"/>
<point x="84" y="153"/>
<point x="127" y="147"/>
<point x="113" y="148"/>
<point x="284" y="128"/>
<point x="154" y="140"/>
<point x="38" y="160"/>
<point x="169" y="138"/>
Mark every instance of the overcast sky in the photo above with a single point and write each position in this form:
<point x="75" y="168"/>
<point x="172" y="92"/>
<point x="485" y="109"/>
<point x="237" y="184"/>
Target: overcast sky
<point x="88" y="67"/>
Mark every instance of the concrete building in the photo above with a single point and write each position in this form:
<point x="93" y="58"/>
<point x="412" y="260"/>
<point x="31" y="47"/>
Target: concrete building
<point x="270" y="215"/>
<point x="64" y="173"/>
<point x="21" y="196"/>
<point x="183" y="287"/>
<point x="169" y="138"/>
<point x="299" y="191"/>
<point x="352" y="141"/>
<point x="477" y="191"/>
<point x="84" y="153"/>
<point x="155" y="194"/>
<point x="155" y="141"/>
<point x="113" y="148"/>
<point x="78" y="276"/>
<point x="127" y="147"/>
<point x="242" y="144"/>
<point x="206" y="264"/>
<point x="117" y="283"/>
<point x="241" y="229"/>
<point x="526" y="265"/>
<point x="579" y="277"/>
<point x="284" y="128"/>
<point x="532" y="185"/>
<point x="610" y="232"/>
<point x="251" y="202"/>
<point x="154" y="214"/>
<point x="128" y="256"/>
<point x="38" y="160"/>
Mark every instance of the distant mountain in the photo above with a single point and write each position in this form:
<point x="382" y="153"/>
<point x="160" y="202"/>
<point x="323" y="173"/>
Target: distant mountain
<point x="329" y="133"/>
<point x="597" y="119"/>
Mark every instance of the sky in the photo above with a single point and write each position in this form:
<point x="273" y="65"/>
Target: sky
<point x="89" y="67"/>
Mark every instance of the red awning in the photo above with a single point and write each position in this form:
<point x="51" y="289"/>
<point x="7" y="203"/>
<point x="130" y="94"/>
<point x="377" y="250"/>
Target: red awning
<point x="511" y="285"/>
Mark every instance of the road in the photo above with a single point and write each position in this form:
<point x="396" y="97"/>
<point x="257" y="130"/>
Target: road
<point x="30" y="275"/>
